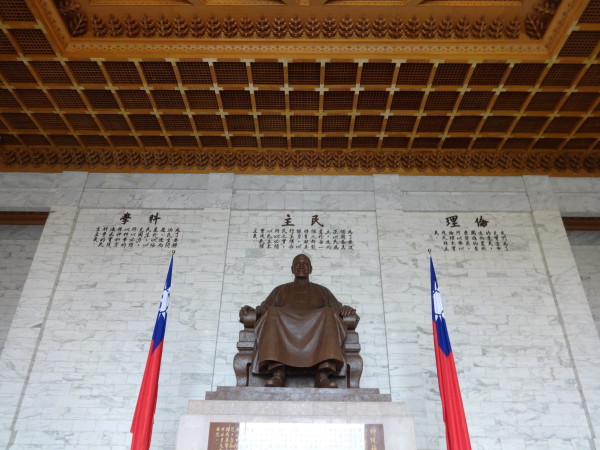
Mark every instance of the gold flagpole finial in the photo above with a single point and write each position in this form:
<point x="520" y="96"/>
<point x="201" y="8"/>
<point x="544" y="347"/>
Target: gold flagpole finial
<point x="429" y="251"/>
<point x="172" y="252"/>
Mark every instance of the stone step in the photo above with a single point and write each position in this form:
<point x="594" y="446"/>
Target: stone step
<point x="297" y="394"/>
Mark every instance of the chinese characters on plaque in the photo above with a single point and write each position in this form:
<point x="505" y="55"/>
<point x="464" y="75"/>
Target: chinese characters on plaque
<point x="149" y="233"/>
<point x="467" y="236"/>
<point x="295" y="436"/>
<point x="223" y="436"/>
<point x="318" y="235"/>
<point x="374" y="437"/>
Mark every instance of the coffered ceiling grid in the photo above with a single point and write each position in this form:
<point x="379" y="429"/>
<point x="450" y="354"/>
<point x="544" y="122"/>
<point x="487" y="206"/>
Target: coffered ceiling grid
<point x="158" y="103"/>
<point x="137" y="112"/>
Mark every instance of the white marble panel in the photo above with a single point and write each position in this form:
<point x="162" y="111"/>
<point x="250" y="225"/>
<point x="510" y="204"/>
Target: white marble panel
<point x="10" y="233"/>
<point x="90" y="362"/>
<point x="18" y="244"/>
<point x="564" y="185"/>
<point x="167" y="198"/>
<point x="286" y="182"/>
<point x="505" y="330"/>
<point x="70" y="187"/>
<point x="579" y="204"/>
<point x="586" y="251"/>
<point x="251" y="182"/>
<point x="465" y="201"/>
<point x="583" y="238"/>
<point x="251" y="272"/>
<point x="148" y="181"/>
<point x="22" y="181"/>
<point x="338" y="183"/>
<point x="293" y="200"/>
<point x="398" y="429"/>
<point x="540" y="194"/>
<point x="303" y="200"/>
<point x="220" y="182"/>
<point x="14" y="199"/>
<point x="28" y="321"/>
<point x="304" y="182"/>
<point x="460" y="184"/>
<point x="388" y="194"/>
<point x="256" y="199"/>
<point x="574" y="308"/>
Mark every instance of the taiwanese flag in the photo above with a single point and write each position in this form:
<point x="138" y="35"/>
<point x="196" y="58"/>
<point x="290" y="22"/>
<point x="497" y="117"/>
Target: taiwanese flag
<point x="457" y="433"/>
<point x="143" y="419"/>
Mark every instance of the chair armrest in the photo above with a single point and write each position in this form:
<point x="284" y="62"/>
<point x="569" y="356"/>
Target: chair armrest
<point x="351" y="321"/>
<point x="248" y="316"/>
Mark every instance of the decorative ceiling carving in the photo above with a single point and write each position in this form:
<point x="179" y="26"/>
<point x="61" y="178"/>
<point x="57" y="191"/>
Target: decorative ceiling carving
<point x="413" y="26"/>
<point x="438" y="91"/>
<point x="324" y="19"/>
<point x="306" y="161"/>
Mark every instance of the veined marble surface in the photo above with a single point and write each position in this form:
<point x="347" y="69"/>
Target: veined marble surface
<point x="584" y="238"/>
<point x="304" y="182"/>
<point x="539" y="193"/>
<point x="579" y="204"/>
<point x="29" y="318"/>
<point x="146" y="181"/>
<point x="28" y="191"/>
<point x="31" y="192"/>
<point x="17" y="248"/>
<point x="521" y="328"/>
<point x="566" y="185"/>
<point x="303" y="200"/>
<point x="26" y="200"/>
<point x="586" y="251"/>
<point x="504" y="327"/>
<point x="158" y="198"/>
<point x="587" y="256"/>
<point x="20" y="232"/>
<point x="459" y="184"/>
<point x="465" y="201"/>
<point x="90" y="360"/>
<point x="418" y="193"/>
<point x="21" y="181"/>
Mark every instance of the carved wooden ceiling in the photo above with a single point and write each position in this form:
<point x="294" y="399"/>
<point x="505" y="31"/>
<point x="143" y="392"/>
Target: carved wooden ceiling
<point x="305" y="86"/>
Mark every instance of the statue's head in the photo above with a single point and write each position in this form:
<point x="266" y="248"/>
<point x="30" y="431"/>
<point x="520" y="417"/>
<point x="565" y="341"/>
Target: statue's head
<point x="301" y="266"/>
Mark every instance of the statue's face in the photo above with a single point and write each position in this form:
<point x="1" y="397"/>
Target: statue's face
<point x="301" y="266"/>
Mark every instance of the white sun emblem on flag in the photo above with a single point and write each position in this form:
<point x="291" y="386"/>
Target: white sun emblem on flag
<point x="164" y="301"/>
<point x="438" y="307"/>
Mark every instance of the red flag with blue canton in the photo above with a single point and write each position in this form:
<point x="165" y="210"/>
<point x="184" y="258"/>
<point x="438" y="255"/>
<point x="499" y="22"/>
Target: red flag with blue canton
<point x="143" y="419"/>
<point x="457" y="433"/>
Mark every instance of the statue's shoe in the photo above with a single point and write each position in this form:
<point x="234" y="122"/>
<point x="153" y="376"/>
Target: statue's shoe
<point x="275" y="381"/>
<point x="322" y="381"/>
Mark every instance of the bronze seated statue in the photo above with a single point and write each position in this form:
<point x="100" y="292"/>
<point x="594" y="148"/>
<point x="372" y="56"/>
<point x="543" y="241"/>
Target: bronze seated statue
<point x="300" y="331"/>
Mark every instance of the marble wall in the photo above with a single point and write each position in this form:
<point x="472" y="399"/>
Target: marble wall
<point x="17" y="248"/>
<point x="521" y="326"/>
<point x="253" y="269"/>
<point x="586" y="250"/>
<point x="96" y="333"/>
<point x="500" y="314"/>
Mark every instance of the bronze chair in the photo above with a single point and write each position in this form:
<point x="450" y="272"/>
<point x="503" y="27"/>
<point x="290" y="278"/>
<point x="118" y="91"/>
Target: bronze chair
<point x="347" y="377"/>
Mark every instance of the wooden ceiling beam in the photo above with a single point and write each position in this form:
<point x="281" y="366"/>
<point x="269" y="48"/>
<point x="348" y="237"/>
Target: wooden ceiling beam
<point x="581" y="223"/>
<point x="23" y="218"/>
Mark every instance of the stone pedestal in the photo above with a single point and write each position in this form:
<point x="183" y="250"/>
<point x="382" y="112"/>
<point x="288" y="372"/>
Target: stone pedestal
<point x="288" y="405"/>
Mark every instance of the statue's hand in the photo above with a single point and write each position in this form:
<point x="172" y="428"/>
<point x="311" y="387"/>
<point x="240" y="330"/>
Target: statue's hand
<point x="347" y="311"/>
<point x="260" y="311"/>
<point x="245" y="311"/>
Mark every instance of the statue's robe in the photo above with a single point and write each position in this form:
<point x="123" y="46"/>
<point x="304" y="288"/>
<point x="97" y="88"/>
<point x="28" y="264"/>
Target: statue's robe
<point x="299" y="326"/>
